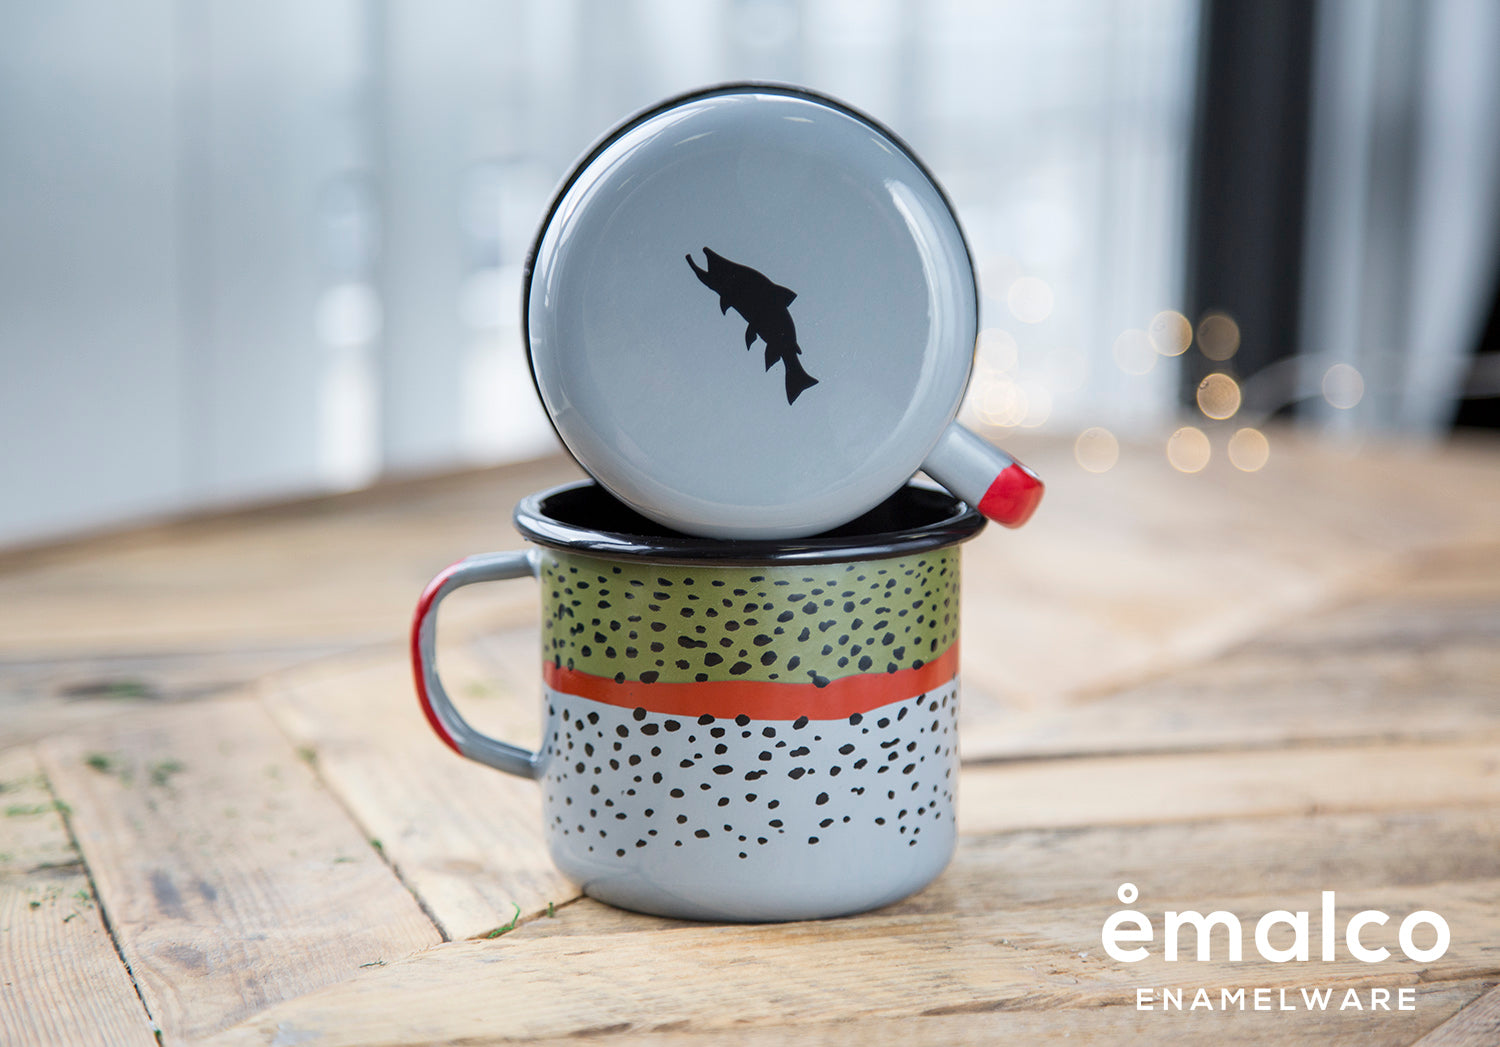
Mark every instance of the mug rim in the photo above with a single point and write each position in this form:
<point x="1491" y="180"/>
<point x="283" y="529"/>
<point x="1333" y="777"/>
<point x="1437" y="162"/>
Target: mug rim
<point x="953" y="521"/>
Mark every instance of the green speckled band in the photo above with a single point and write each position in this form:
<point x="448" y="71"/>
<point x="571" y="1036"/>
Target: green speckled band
<point x="792" y="624"/>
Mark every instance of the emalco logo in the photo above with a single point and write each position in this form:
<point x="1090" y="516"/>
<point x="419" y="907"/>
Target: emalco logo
<point x="1129" y="936"/>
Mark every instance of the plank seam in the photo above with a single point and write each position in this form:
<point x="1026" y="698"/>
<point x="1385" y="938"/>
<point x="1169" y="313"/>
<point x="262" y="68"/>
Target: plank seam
<point x="313" y="763"/>
<point x="1272" y="745"/>
<point x="65" y="813"/>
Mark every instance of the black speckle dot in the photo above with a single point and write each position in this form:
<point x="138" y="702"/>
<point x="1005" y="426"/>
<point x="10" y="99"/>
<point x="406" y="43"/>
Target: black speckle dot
<point x="799" y="723"/>
<point x="856" y="718"/>
<point x="723" y="768"/>
<point x="812" y="839"/>
<point x="822" y="799"/>
<point x="639" y="714"/>
<point x="739" y="668"/>
<point x="702" y="834"/>
<point x="649" y="676"/>
<point x="672" y="725"/>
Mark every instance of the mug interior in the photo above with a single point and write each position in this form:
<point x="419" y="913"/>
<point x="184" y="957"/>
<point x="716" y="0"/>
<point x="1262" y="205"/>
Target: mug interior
<point x="585" y="517"/>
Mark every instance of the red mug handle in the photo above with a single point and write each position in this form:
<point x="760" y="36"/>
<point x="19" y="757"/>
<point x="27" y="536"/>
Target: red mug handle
<point x="986" y="477"/>
<point x="445" y="720"/>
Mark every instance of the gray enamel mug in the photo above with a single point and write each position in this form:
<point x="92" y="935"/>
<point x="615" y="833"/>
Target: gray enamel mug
<point x="755" y="730"/>
<point x="751" y="312"/>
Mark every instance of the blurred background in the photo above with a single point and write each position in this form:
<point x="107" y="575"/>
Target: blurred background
<point x="253" y="251"/>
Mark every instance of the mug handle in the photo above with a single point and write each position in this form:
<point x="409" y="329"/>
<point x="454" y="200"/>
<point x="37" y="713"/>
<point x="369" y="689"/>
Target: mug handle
<point x="452" y="728"/>
<point x="986" y="477"/>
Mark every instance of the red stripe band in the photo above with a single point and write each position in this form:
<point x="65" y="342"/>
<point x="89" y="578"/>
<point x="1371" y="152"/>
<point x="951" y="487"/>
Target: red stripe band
<point x="760" y="699"/>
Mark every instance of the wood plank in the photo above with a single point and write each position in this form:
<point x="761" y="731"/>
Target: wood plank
<point x="63" y="981"/>
<point x="232" y="880"/>
<point x="50" y="695"/>
<point x="1477" y="1025"/>
<point x="335" y="571"/>
<point x="715" y="978"/>
<point x="468" y="840"/>
<point x="1105" y="1026"/>
<point x="1354" y="674"/>
<point x="1135" y="790"/>
<point x="1171" y="864"/>
<point x="1144" y="568"/>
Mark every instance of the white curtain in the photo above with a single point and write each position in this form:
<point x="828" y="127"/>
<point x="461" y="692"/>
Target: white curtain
<point x="1403" y="218"/>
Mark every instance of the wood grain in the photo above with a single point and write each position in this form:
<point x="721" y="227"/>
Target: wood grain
<point x="466" y="838"/>
<point x="231" y="879"/>
<point x="42" y="696"/>
<point x="1130" y="573"/>
<point x="1101" y="1026"/>
<point x="712" y="978"/>
<point x="1345" y="674"/>
<point x="63" y="981"/>
<point x="1136" y="790"/>
<point x="341" y="570"/>
<point x="1477" y="1025"/>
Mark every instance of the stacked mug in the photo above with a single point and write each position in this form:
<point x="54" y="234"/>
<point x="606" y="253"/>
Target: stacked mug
<point x="750" y="313"/>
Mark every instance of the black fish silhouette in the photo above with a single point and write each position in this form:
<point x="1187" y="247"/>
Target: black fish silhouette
<point x="763" y="305"/>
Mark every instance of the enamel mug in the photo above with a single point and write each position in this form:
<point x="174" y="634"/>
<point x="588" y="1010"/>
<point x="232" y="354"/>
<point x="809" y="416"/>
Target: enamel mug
<point x="749" y="730"/>
<point x="751" y="313"/>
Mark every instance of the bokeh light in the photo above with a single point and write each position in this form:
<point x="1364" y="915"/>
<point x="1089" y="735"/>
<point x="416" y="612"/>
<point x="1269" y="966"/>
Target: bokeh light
<point x="996" y="351"/>
<point x="1096" y="449"/>
<point x="1134" y="353"/>
<point x="1249" y="450"/>
<point x="1038" y="404"/>
<point x="1219" y="396"/>
<point x="1002" y="403"/>
<point x="1030" y="299"/>
<point x="1343" y="386"/>
<point x="1188" y="449"/>
<point x="1171" y="333"/>
<point x="1218" y="336"/>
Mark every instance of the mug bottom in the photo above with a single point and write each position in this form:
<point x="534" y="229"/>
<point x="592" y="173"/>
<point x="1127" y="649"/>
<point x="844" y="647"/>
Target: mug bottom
<point x="842" y="883"/>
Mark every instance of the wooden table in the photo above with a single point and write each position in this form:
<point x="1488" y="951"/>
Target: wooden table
<point x="225" y="820"/>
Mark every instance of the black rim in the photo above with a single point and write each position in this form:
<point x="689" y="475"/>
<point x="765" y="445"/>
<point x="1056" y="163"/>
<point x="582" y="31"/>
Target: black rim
<point x="584" y="517"/>
<point x="734" y="87"/>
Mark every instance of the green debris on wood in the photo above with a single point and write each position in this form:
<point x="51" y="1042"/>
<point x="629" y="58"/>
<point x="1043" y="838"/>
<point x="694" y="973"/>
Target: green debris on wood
<point x="162" y="770"/>
<point x="498" y="931"/>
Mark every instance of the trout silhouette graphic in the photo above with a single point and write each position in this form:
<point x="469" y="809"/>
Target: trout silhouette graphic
<point x="763" y="305"/>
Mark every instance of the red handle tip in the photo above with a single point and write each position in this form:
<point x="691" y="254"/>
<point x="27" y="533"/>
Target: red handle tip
<point x="1013" y="496"/>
